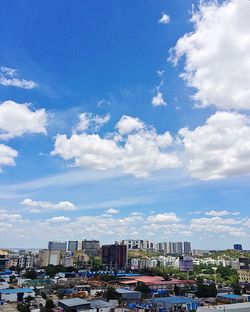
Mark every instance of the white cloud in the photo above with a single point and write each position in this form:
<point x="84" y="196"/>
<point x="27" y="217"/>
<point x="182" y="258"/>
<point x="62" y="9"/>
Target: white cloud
<point x="59" y="219"/>
<point x="62" y="205"/>
<point x="128" y="124"/>
<point x="112" y="211"/>
<point x="10" y="217"/>
<point x="18" y="119"/>
<point x="165" y="19"/>
<point x="8" y="77"/>
<point x="89" y="121"/>
<point x="221" y="213"/>
<point x="219" y="148"/>
<point x="7" y="156"/>
<point x="139" y="153"/>
<point x="158" y="99"/>
<point x="217" y="54"/>
<point x="218" y="225"/>
<point x="167" y="217"/>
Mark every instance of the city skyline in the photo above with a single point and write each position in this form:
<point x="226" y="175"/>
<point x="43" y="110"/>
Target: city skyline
<point x="125" y="119"/>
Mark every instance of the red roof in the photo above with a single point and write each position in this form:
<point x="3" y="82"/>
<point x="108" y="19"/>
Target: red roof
<point x="154" y="280"/>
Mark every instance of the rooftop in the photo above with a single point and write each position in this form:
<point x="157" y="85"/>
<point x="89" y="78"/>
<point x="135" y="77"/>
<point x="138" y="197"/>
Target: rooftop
<point x="73" y="302"/>
<point x="16" y="290"/>
<point x="227" y="307"/>
<point x="173" y="300"/>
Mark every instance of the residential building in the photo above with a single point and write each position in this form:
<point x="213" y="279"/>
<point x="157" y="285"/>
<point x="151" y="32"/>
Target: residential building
<point x="244" y="263"/>
<point x="53" y="245"/>
<point x="91" y="247"/>
<point x="114" y="256"/>
<point x="73" y="246"/>
<point x="187" y="248"/>
<point x="26" y="261"/>
<point x="43" y="258"/>
<point x="55" y="257"/>
<point x="137" y="244"/>
<point x="3" y="262"/>
<point x="244" y="276"/>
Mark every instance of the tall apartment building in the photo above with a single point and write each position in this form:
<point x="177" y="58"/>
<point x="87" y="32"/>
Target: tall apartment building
<point x="137" y="244"/>
<point x="91" y="247"/>
<point x="43" y="258"/>
<point x="26" y="261"/>
<point x="55" y="257"/>
<point x="73" y="245"/>
<point x="53" y="245"/>
<point x="115" y="256"/>
<point x="187" y="248"/>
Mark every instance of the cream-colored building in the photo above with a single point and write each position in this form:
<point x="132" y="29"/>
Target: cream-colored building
<point x="43" y="257"/>
<point x="244" y="276"/>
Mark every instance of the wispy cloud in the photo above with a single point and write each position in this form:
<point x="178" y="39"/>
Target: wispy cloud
<point x="9" y="78"/>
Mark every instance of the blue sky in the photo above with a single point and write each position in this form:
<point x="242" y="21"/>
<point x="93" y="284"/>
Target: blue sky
<point x="124" y="119"/>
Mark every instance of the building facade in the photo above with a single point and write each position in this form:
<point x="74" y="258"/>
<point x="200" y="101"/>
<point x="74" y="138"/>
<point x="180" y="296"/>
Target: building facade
<point x="114" y="256"/>
<point x="53" y="245"/>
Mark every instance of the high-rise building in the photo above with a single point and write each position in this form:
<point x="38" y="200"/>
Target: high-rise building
<point x="114" y="256"/>
<point x="62" y="246"/>
<point x="179" y="248"/>
<point x="139" y="244"/>
<point x="91" y="247"/>
<point x="55" y="257"/>
<point x="187" y="248"/>
<point x="237" y="247"/>
<point x="72" y="246"/>
<point x="43" y="257"/>
<point x="3" y="262"/>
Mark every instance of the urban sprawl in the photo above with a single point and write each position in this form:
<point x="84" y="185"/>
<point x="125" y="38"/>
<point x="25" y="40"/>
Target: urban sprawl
<point x="126" y="276"/>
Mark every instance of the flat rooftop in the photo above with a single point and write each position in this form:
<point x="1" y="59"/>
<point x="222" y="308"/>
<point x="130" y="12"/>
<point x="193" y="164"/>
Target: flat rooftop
<point x="73" y="302"/>
<point x="226" y="307"/>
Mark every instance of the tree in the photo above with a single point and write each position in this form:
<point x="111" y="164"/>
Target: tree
<point x="49" y="305"/>
<point x="23" y="307"/>
<point x="111" y="294"/>
<point x="30" y="274"/>
<point x="143" y="288"/>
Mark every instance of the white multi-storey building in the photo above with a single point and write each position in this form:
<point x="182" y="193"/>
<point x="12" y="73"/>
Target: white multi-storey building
<point x="137" y="244"/>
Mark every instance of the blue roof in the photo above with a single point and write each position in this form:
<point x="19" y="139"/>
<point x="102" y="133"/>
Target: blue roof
<point x="174" y="300"/>
<point x="16" y="290"/>
<point x="229" y="296"/>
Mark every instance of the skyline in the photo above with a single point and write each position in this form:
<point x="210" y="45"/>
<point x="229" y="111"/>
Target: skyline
<point x="126" y="119"/>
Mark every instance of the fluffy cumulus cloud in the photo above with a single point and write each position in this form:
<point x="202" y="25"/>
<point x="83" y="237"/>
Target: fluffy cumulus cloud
<point x="216" y="54"/>
<point x="221" y="213"/>
<point x="219" y="148"/>
<point x="59" y="219"/>
<point x="17" y="119"/>
<point x="219" y="225"/>
<point x="89" y="121"/>
<point x="128" y="124"/>
<point x="165" y="19"/>
<point x="112" y="211"/>
<point x="135" y="149"/>
<point x="167" y="217"/>
<point x="62" y="205"/>
<point x="7" y="156"/>
<point x="106" y="227"/>
<point x="9" y="78"/>
<point x="158" y="99"/>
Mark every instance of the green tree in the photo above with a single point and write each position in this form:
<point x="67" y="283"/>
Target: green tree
<point x="111" y="294"/>
<point x="143" y="288"/>
<point x="23" y="307"/>
<point x="30" y="274"/>
<point x="49" y="305"/>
